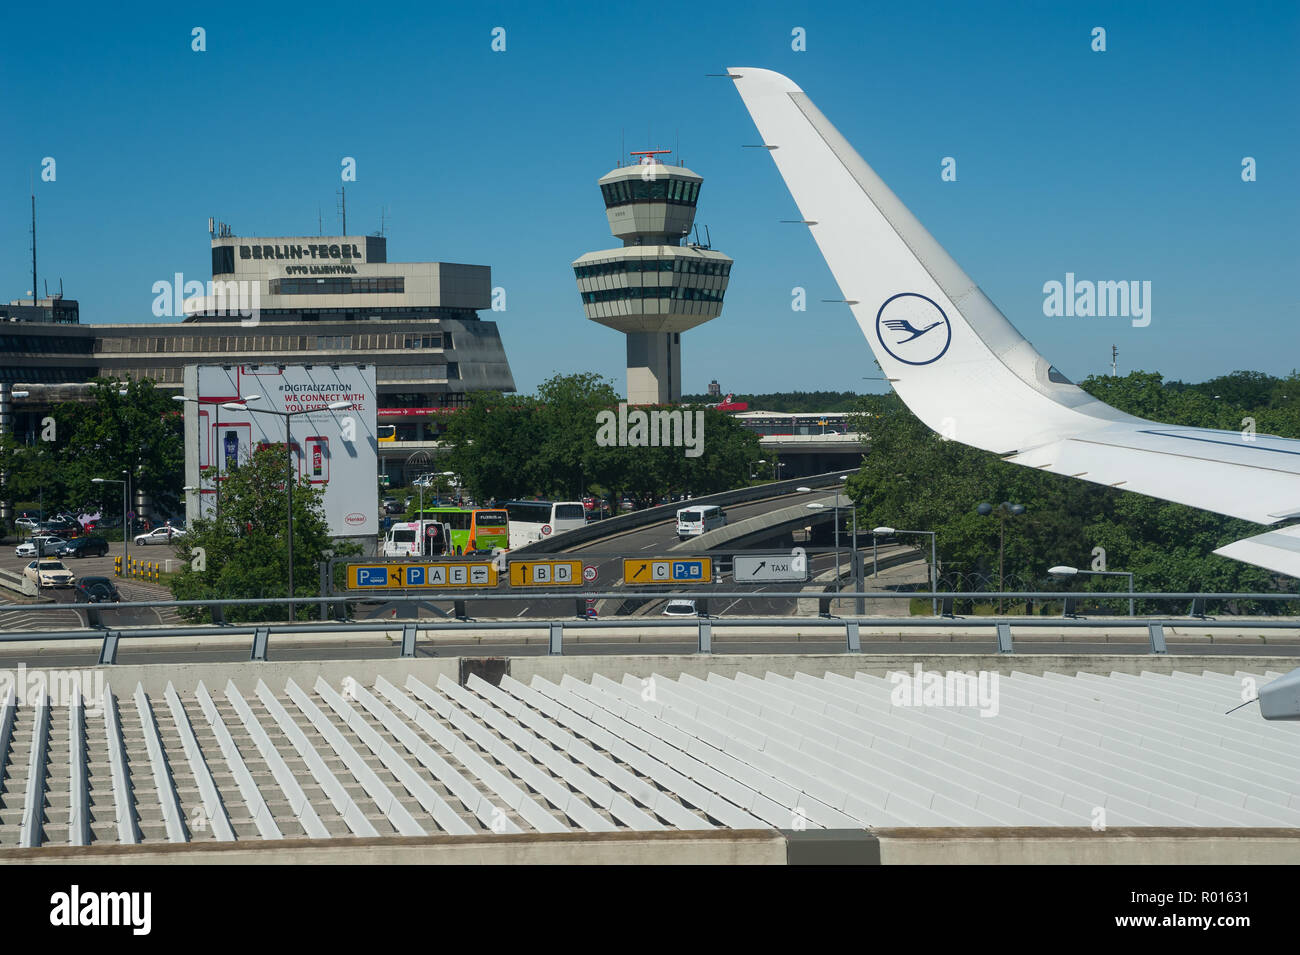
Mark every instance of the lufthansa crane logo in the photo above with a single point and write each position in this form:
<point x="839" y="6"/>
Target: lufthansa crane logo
<point x="913" y="329"/>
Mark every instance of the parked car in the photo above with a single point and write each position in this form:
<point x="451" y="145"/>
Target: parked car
<point x="49" y="573"/>
<point x="393" y="506"/>
<point x="96" y="590"/>
<point x="159" y="535"/>
<point x="84" y="547"/>
<point x="60" y="528"/>
<point x="39" y="545"/>
<point x="29" y="520"/>
<point x="680" y="608"/>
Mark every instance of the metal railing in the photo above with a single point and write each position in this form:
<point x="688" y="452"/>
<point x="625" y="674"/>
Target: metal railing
<point x="704" y="625"/>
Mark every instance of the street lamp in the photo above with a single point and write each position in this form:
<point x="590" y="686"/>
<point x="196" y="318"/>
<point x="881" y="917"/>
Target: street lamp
<point x="934" y="580"/>
<point x="216" y="481"/>
<point x="288" y="416"/>
<point x="837" y="507"/>
<point x="1064" y="570"/>
<point x="126" y="531"/>
<point x="1005" y="509"/>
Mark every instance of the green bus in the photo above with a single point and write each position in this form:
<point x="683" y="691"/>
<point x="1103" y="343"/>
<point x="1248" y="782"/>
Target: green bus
<point x="472" y="528"/>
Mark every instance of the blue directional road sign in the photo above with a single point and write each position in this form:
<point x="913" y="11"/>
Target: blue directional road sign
<point x="372" y="576"/>
<point x="688" y="570"/>
<point x="415" y="576"/>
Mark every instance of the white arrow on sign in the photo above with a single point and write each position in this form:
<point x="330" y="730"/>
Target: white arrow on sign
<point x="766" y="568"/>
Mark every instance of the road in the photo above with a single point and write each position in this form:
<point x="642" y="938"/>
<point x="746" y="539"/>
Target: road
<point x="656" y="540"/>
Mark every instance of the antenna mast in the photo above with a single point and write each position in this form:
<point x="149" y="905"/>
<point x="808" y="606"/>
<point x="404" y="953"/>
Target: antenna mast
<point x="343" y="207"/>
<point x="33" y="245"/>
<point x="1114" y="361"/>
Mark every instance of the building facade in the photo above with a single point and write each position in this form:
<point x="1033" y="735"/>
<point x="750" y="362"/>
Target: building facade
<point x="296" y="300"/>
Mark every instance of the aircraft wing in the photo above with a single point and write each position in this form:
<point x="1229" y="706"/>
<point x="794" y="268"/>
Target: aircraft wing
<point x="971" y="376"/>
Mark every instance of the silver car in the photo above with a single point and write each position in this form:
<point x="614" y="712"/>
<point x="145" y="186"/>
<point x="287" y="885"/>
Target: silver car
<point x="28" y="548"/>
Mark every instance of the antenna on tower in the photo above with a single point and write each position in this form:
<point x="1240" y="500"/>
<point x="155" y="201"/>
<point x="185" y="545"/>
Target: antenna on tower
<point x="320" y="221"/>
<point x="1114" y="361"/>
<point x="33" y="187"/>
<point x="343" y="207"/>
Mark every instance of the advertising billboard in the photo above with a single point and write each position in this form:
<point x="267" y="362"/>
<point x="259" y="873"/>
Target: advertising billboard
<point x="334" y="450"/>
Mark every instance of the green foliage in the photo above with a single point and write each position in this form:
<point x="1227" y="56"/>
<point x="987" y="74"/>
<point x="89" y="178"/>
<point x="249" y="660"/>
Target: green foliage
<point x="790" y="402"/>
<point x="246" y="551"/>
<point x="139" y="432"/>
<point x="519" y="446"/>
<point x="914" y="479"/>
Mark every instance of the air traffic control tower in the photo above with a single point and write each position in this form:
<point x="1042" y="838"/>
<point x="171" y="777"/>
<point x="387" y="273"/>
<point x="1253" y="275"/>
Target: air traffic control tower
<point x="658" y="285"/>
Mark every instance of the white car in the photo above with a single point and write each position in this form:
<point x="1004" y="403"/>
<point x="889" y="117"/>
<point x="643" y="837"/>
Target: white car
<point x="28" y="547"/>
<point x="49" y="573"/>
<point x="159" y="535"/>
<point x="680" y="608"/>
<point x="27" y="522"/>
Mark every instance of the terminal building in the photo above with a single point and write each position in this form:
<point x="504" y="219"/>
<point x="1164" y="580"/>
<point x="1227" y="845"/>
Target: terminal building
<point x="657" y="285"/>
<point x="293" y="300"/>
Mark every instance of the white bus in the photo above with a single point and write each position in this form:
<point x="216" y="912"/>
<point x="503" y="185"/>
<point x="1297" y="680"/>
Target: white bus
<point x="416" y="539"/>
<point x="532" y="520"/>
<point x="694" y="521"/>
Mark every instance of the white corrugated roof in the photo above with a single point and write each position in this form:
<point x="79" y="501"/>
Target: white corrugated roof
<point x="643" y="754"/>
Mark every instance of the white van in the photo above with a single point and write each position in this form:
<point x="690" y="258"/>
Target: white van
<point x="416" y="539"/>
<point x="694" y="521"/>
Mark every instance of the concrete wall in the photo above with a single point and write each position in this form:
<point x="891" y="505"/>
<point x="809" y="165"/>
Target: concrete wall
<point x="1009" y="846"/>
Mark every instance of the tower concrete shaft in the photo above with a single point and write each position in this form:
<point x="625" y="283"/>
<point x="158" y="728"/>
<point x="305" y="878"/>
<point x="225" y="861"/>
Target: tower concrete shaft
<point x="657" y="285"/>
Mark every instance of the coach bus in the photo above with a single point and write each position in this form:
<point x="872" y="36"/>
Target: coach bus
<point x="532" y="520"/>
<point x="472" y="528"/>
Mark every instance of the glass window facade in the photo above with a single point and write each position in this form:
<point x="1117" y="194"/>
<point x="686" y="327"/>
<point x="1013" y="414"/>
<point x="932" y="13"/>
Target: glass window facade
<point x="677" y="293"/>
<point x="682" y="192"/>
<point x="338" y="286"/>
<point x="687" y="266"/>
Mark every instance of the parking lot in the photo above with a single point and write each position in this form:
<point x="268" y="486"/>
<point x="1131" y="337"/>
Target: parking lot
<point x="16" y="617"/>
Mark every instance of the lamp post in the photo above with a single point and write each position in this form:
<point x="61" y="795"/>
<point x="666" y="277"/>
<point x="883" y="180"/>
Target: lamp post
<point x="1064" y="570"/>
<point x="288" y="417"/>
<point x="836" y="507"/>
<point x="216" y="481"/>
<point x="934" y="580"/>
<point x="1005" y="509"/>
<point x="126" y="531"/>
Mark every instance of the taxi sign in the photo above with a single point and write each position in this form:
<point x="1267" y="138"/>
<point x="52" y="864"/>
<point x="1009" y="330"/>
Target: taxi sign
<point x="643" y="570"/>
<point x="545" y="573"/>
<point x="767" y="567"/>
<point x="448" y="574"/>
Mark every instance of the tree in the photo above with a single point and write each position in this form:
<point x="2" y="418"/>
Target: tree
<point x="121" y="426"/>
<point x="547" y="445"/>
<point x="914" y="478"/>
<point x="245" y="553"/>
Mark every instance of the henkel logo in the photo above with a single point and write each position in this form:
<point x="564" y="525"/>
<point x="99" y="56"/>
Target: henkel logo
<point x="355" y="518"/>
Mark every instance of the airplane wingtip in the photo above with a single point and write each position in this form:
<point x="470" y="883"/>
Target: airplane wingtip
<point x="767" y="80"/>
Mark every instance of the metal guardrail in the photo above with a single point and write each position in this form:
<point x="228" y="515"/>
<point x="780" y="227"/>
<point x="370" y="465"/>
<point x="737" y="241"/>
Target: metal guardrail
<point x="704" y="624"/>
<point x="653" y="515"/>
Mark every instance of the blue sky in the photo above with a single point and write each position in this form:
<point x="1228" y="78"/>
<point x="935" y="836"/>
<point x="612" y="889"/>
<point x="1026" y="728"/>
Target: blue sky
<point x="1117" y="165"/>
